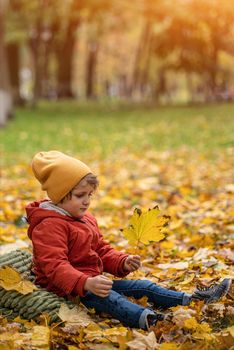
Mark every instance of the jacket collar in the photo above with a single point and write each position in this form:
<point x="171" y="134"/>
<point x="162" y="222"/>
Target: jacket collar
<point x="51" y="206"/>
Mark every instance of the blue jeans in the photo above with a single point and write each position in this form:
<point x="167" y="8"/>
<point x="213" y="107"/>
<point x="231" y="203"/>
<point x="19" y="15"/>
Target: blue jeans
<point x="131" y="314"/>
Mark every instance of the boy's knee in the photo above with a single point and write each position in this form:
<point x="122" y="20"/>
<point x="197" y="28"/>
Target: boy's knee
<point x="147" y="283"/>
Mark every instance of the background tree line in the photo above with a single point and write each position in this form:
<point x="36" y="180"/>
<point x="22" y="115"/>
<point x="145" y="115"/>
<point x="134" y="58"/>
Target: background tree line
<point x="142" y="49"/>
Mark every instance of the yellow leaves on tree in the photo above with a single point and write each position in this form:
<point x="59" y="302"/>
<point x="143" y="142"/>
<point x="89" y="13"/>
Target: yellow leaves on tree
<point x="146" y="227"/>
<point x="10" y="279"/>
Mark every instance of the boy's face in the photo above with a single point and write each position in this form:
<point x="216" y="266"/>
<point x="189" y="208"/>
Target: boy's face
<point x="79" y="202"/>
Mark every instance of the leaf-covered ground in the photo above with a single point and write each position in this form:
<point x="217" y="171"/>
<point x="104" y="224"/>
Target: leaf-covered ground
<point x="197" y="192"/>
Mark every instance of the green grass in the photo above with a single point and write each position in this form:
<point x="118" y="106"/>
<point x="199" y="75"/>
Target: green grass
<point x="101" y="129"/>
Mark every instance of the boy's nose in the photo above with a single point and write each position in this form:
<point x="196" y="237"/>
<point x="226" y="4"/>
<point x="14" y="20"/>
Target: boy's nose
<point x="86" y="200"/>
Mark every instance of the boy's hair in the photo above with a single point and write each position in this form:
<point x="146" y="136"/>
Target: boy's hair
<point x="91" y="180"/>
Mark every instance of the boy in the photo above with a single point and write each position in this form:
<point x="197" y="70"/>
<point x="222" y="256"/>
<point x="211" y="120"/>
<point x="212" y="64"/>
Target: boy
<point x="70" y="255"/>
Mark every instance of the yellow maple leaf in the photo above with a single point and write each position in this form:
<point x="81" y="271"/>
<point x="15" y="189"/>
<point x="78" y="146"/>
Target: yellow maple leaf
<point x="10" y="279"/>
<point x="146" y="227"/>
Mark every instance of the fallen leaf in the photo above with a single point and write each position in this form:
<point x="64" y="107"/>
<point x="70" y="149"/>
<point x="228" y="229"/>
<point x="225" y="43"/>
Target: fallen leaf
<point x="188" y="280"/>
<point x="203" y="332"/>
<point x="230" y="310"/>
<point x="176" y="265"/>
<point x="143" y="342"/>
<point x="202" y="253"/>
<point x="181" y="314"/>
<point x="231" y="330"/>
<point x="200" y="330"/>
<point x="9" y="340"/>
<point x="95" y="333"/>
<point x="6" y="344"/>
<point x="10" y="279"/>
<point x="228" y="254"/>
<point x="78" y="315"/>
<point x="225" y="338"/>
<point x="191" y="323"/>
<point x="169" y="346"/>
<point x="41" y="337"/>
<point x="217" y="309"/>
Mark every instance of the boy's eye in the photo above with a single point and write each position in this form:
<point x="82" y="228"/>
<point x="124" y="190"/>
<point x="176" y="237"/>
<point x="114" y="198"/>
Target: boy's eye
<point x="83" y="194"/>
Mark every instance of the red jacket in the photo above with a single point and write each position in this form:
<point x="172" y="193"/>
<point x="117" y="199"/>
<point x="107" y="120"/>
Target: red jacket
<point x="66" y="251"/>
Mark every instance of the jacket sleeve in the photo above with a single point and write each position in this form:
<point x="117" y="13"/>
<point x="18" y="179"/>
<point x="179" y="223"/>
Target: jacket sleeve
<point x="50" y="249"/>
<point x="112" y="259"/>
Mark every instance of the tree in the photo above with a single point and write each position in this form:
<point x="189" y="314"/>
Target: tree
<point x="192" y="44"/>
<point x="64" y="47"/>
<point x="151" y="11"/>
<point x="218" y="21"/>
<point x="13" y="47"/>
<point x="6" y="103"/>
<point x="97" y="24"/>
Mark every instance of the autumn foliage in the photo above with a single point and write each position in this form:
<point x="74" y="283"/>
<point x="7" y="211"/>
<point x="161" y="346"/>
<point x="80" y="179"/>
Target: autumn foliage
<point x="194" y="248"/>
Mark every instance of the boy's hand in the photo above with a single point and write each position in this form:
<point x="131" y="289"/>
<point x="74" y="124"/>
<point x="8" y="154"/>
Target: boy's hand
<point x="132" y="263"/>
<point x="99" y="285"/>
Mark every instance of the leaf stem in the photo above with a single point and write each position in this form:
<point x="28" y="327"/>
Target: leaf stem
<point x="137" y="247"/>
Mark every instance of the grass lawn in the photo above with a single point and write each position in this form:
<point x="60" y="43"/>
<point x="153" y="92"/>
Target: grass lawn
<point x="101" y="129"/>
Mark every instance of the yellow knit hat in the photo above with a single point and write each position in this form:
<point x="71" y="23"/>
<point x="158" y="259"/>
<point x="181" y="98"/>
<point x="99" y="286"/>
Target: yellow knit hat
<point x="58" y="173"/>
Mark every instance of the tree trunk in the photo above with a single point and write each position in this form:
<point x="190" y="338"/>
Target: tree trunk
<point x="35" y="45"/>
<point x="142" y="57"/>
<point x="47" y="89"/>
<point x="161" y="85"/>
<point x="213" y="72"/>
<point x="14" y="70"/>
<point x="6" y="103"/>
<point x="65" y="59"/>
<point x="39" y="48"/>
<point x="212" y="69"/>
<point x="91" y="69"/>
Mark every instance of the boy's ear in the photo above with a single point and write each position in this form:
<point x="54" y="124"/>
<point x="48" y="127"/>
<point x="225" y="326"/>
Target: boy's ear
<point x="67" y="197"/>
